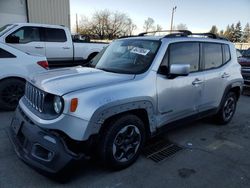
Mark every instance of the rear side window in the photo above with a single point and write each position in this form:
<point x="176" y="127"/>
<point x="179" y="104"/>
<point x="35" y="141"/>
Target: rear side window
<point x="55" y="35"/>
<point x="226" y="52"/>
<point x="5" y="54"/>
<point x="185" y="53"/>
<point x="212" y="55"/>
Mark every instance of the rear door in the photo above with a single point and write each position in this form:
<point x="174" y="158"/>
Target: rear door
<point x="59" y="49"/>
<point x="30" y="40"/>
<point x="215" y="73"/>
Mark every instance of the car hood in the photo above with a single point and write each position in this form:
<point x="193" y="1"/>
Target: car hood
<point x="66" y="80"/>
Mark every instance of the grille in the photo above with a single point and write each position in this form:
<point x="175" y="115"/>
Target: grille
<point x="160" y="150"/>
<point x="35" y="97"/>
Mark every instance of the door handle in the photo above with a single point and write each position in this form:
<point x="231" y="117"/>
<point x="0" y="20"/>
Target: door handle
<point x="66" y="48"/>
<point x="39" y="47"/>
<point x="225" y="75"/>
<point x="197" y="81"/>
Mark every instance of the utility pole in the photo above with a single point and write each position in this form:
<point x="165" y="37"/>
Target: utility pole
<point x="76" y="23"/>
<point x="172" y="18"/>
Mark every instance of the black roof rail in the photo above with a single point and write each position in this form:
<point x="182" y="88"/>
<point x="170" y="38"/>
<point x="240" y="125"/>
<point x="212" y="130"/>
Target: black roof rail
<point x="211" y="35"/>
<point x="180" y="33"/>
<point x="184" y="32"/>
<point x="127" y="36"/>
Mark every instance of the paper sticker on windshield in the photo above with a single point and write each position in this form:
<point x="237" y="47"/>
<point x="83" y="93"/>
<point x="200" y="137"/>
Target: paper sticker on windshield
<point x="141" y="51"/>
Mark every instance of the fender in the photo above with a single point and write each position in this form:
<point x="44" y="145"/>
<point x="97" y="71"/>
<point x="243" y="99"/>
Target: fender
<point x="237" y="83"/>
<point x="114" y="108"/>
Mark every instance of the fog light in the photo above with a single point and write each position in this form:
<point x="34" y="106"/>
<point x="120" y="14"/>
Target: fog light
<point x="41" y="153"/>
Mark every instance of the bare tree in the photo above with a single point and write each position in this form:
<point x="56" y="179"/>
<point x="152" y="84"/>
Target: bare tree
<point x="117" y="25"/>
<point x="99" y="23"/>
<point x="181" y="26"/>
<point x="131" y="27"/>
<point x="158" y="27"/>
<point x="107" y="24"/>
<point x="149" y="24"/>
<point x="84" y="26"/>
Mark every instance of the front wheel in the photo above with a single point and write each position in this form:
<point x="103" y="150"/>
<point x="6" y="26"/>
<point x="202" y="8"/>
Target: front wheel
<point x="11" y="90"/>
<point x="227" y="109"/>
<point x="122" y="141"/>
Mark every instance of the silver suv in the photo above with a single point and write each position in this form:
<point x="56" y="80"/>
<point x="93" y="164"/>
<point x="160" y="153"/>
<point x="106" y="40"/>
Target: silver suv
<point x="131" y="91"/>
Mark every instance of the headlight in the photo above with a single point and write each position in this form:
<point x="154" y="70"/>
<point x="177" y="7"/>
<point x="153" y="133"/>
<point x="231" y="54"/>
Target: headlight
<point x="58" y="104"/>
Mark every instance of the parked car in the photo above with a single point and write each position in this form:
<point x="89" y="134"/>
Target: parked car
<point x="244" y="61"/>
<point x="53" y="41"/>
<point x="138" y="87"/>
<point x="15" y="66"/>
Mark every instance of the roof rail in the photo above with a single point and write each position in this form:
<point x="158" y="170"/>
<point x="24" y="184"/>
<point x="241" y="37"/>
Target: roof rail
<point x="210" y="35"/>
<point x="184" y="32"/>
<point x="180" y="33"/>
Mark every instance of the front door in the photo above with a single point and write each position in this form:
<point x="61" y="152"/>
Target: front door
<point x="180" y="96"/>
<point x="29" y="40"/>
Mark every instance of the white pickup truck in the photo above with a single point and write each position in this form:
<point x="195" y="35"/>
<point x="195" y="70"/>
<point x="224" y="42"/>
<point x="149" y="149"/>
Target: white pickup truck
<point x="53" y="41"/>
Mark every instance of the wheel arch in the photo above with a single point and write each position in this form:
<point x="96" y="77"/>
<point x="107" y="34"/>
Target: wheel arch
<point x="234" y="87"/>
<point x="13" y="77"/>
<point x="142" y="109"/>
<point x="92" y="55"/>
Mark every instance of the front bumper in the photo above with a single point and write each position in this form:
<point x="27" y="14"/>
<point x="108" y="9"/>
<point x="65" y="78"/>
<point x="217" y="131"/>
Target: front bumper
<point x="39" y="147"/>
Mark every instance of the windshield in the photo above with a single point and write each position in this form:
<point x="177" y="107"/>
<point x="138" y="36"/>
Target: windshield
<point x="6" y="28"/>
<point x="128" y="56"/>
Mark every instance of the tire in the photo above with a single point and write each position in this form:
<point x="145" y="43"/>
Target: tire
<point x="11" y="90"/>
<point x="126" y="132"/>
<point x="227" y="109"/>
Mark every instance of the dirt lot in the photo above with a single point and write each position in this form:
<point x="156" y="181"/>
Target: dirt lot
<point x="212" y="156"/>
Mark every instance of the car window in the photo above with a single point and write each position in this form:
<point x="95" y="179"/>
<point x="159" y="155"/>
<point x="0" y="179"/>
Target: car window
<point x="27" y="34"/>
<point x="212" y="55"/>
<point x="185" y="53"/>
<point x="226" y="52"/>
<point x="55" y="35"/>
<point x="5" y="54"/>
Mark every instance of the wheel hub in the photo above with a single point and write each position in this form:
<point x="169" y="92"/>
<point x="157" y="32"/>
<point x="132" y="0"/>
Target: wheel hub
<point x="229" y="108"/>
<point x="126" y="143"/>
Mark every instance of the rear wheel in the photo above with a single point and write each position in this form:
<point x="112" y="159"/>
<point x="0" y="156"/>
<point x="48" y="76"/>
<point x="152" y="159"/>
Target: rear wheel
<point x="11" y="90"/>
<point x="227" y="109"/>
<point x="122" y="141"/>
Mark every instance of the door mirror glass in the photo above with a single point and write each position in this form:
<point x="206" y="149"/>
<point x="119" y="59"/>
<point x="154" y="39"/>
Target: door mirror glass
<point x="12" y="39"/>
<point x="179" y="69"/>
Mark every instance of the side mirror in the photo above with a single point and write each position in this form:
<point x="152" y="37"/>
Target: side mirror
<point x="179" y="69"/>
<point x="12" y="39"/>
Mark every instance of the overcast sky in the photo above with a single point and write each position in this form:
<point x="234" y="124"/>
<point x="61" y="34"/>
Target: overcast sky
<point x="198" y="15"/>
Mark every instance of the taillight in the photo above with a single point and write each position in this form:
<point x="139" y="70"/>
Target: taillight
<point x="43" y="64"/>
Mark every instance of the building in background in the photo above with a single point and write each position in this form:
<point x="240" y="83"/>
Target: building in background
<point x="35" y="11"/>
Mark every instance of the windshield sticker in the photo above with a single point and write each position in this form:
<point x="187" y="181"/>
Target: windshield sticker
<point x="140" y="51"/>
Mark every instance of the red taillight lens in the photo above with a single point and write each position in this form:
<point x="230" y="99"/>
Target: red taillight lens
<point x="43" y="64"/>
